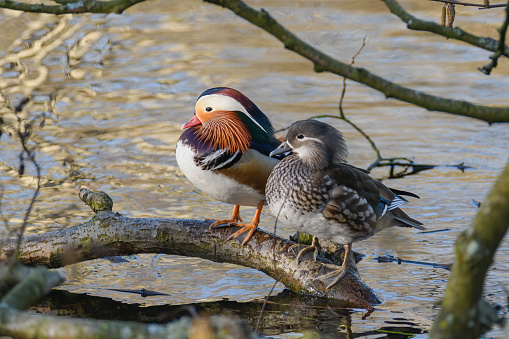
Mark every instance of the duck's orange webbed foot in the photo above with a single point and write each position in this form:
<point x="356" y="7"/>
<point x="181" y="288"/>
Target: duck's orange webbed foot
<point x="245" y="227"/>
<point x="228" y="222"/>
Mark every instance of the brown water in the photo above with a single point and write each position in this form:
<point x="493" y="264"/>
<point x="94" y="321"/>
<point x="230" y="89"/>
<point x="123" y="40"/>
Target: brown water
<point x="125" y="83"/>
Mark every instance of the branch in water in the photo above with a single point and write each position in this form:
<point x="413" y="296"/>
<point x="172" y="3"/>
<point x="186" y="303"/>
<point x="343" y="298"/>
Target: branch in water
<point x="71" y="7"/>
<point x="110" y="234"/>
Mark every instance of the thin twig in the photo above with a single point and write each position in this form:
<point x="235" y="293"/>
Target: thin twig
<point x="342" y="113"/>
<point x="23" y="131"/>
<point x="468" y="4"/>
<point x="380" y="161"/>
<point x="389" y="258"/>
<point x="486" y="69"/>
<point x="456" y="33"/>
<point x="275" y="267"/>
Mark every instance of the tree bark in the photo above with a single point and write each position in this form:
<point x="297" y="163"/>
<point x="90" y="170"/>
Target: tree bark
<point x="110" y="234"/>
<point x="14" y="323"/>
<point x="31" y="284"/>
<point x="71" y="6"/>
<point x="464" y="313"/>
<point x="456" y="33"/>
<point x="36" y="284"/>
<point x="325" y="63"/>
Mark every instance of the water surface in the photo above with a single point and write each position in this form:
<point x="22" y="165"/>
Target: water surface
<point x="123" y="84"/>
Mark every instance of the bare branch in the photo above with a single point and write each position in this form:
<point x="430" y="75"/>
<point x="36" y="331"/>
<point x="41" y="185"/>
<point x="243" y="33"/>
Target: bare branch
<point x="348" y="121"/>
<point x="14" y="324"/>
<point x="325" y="63"/>
<point x="24" y="132"/>
<point x="34" y="286"/>
<point x="486" y="69"/>
<point x="448" y="32"/>
<point x="66" y="7"/>
<point x="486" y="4"/>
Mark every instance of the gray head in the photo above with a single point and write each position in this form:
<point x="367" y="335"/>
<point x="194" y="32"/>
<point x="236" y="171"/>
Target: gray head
<point x="317" y="144"/>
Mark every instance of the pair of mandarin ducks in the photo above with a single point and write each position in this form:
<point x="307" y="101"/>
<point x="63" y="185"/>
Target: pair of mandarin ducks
<point x="229" y="151"/>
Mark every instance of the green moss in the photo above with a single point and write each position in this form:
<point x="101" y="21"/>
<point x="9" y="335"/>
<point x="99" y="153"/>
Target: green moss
<point x="302" y="238"/>
<point x="55" y="259"/>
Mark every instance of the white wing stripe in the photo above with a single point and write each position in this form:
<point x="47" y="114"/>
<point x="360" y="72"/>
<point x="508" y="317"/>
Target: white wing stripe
<point x="397" y="202"/>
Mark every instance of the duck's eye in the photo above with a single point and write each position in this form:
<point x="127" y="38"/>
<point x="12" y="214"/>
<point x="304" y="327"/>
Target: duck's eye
<point x="208" y="109"/>
<point x="300" y="136"/>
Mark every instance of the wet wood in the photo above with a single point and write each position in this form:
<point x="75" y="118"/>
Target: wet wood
<point x="31" y="284"/>
<point x="110" y="234"/>
<point x="25" y="286"/>
<point x="13" y="323"/>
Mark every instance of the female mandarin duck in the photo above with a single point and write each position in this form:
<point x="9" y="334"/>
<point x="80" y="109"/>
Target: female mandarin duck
<point x="225" y="152"/>
<point x="315" y="191"/>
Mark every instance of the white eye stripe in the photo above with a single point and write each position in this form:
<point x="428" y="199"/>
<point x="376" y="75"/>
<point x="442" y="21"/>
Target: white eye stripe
<point x="225" y="103"/>
<point x="310" y="138"/>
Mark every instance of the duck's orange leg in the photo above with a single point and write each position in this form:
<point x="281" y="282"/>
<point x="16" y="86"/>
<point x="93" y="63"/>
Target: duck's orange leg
<point x="249" y="227"/>
<point x="245" y="227"/>
<point x="231" y="222"/>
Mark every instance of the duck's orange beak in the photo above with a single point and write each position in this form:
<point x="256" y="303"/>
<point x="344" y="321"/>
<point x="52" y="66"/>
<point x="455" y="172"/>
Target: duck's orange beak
<point x="193" y="122"/>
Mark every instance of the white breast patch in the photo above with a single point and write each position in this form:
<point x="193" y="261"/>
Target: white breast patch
<point x="215" y="184"/>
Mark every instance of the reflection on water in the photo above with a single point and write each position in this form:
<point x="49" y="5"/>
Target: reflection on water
<point x="116" y="88"/>
<point x="182" y="279"/>
<point x="284" y="313"/>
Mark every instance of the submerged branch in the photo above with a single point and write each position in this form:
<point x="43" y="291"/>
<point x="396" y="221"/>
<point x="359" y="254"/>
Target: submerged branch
<point x="325" y="63"/>
<point x="110" y="234"/>
<point x="399" y="261"/>
<point x="409" y="167"/>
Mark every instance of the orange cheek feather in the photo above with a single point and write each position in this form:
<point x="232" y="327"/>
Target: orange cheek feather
<point x="193" y="122"/>
<point x="225" y="130"/>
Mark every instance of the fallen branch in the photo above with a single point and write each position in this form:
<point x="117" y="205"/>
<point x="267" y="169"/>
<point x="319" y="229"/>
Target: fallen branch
<point x="14" y="323"/>
<point x="31" y="288"/>
<point x="110" y="234"/>
<point x="68" y="7"/>
<point x="24" y="286"/>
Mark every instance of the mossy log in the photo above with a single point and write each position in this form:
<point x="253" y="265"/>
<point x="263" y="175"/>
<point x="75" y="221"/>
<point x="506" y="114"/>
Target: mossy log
<point x="31" y="284"/>
<point x="110" y="234"/>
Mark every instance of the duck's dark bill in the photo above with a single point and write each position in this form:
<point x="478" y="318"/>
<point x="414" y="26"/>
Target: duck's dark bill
<point x="282" y="151"/>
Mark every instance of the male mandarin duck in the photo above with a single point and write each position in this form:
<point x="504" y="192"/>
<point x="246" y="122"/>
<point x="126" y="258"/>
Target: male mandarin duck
<point x="224" y="151"/>
<point x="314" y="190"/>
